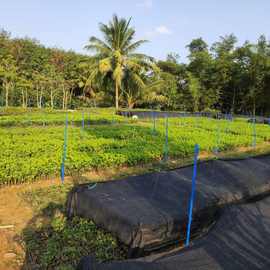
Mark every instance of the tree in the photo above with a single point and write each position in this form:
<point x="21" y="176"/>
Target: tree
<point x="115" y="56"/>
<point x="225" y="45"/>
<point x="197" y="45"/>
<point x="173" y="58"/>
<point x="259" y="69"/>
<point x="195" y="91"/>
<point x="202" y="69"/>
<point x="24" y="86"/>
<point x="8" y="76"/>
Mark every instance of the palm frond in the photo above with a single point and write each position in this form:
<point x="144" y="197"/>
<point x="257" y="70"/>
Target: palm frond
<point x="134" y="46"/>
<point x="138" y="80"/>
<point x="98" y="46"/>
<point x="142" y="56"/>
<point x="155" y="85"/>
<point x="91" y="78"/>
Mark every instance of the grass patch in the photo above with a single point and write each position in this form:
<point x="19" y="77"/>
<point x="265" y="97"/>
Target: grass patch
<point x="52" y="241"/>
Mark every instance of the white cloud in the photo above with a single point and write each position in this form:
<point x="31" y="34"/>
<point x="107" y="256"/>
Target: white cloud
<point x="163" y="30"/>
<point x="146" y="4"/>
<point x="160" y="30"/>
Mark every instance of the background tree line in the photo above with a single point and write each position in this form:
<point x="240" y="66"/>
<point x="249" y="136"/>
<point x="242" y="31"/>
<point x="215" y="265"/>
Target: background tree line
<point x="222" y="77"/>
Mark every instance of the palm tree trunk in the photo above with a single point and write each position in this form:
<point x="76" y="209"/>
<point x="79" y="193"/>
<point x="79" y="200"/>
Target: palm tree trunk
<point x="116" y="96"/>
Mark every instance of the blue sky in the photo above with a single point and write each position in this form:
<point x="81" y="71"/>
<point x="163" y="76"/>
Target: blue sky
<point x="169" y="25"/>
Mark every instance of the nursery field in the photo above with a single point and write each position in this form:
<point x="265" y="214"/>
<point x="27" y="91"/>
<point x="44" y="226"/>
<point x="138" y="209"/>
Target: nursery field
<point x="98" y="143"/>
<point x="22" y="117"/>
<point x="32" y="142"/>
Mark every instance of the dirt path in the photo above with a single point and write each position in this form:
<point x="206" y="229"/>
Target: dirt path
<point x="16" y="214"/>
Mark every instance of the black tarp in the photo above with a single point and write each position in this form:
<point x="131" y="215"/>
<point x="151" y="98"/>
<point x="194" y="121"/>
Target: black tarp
<point x="240" y="240"/>
<point x="162" y="114"/>
<point x="150" y="211"/>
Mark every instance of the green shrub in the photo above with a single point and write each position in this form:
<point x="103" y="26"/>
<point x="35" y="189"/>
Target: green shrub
<point x="32" y="152"/>
<point x="62" y="243"/>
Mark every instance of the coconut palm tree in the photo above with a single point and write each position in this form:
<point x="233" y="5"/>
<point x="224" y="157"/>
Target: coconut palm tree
<point x="115" y="56"/>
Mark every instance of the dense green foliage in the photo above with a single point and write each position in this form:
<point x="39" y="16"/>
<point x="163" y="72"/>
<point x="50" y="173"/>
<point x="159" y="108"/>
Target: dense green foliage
<point x="53" y="242"/>
<point x="31" y="151"/>
<point x="222" y="76"/>
<point x="23" y="117"/>
<point x="34" y="76"/>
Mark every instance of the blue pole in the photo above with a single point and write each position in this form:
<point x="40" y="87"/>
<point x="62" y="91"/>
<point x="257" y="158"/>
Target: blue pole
<point x="64" y="151"/>
<point x="82" y="120"/>
<point x="216" y="150"/>
<point x="193" y="190"/>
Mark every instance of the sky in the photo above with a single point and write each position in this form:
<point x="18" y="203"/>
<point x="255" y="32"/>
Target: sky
<point x="169" y="25"/>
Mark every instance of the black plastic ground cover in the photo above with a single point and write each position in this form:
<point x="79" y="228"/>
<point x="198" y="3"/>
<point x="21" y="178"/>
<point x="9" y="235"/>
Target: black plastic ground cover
<point x="240" y="240"/>
<point x="149" y="211"/>
<point x="161" y="114"/>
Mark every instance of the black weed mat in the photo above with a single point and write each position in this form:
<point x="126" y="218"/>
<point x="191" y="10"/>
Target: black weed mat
<point x="149" y="212"/>
<point x="239" y="241"/>
<point x="163" y="114"/>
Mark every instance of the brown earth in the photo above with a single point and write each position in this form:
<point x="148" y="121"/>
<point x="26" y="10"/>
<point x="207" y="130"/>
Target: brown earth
<point x="16" y="212"/>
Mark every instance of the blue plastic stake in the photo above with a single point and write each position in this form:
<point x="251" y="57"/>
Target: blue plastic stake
<point x="72" y="119"/>
<point x="62" y="172"/>
<point x="216" y="149"/>
<point x="193" y="190"/>
<point x="64" y="152"/>
<point x="166" y="147"/>
<point x="82" y="120"/>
